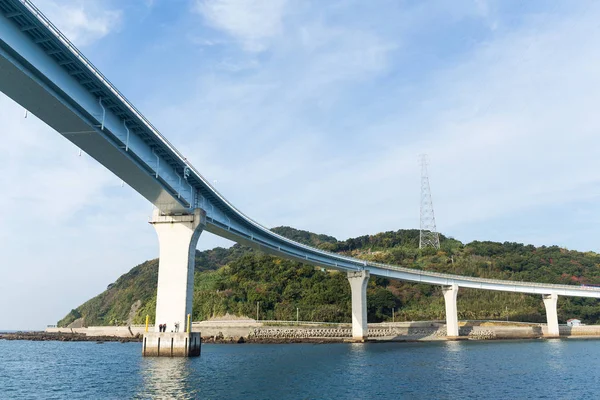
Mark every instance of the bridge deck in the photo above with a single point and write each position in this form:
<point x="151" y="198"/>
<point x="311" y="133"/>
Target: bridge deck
<point x="45" y="73"/>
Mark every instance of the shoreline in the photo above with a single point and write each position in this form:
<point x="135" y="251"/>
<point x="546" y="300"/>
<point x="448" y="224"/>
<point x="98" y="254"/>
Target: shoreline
<point x="41" y="336"/>
<point x="79" y="337"/>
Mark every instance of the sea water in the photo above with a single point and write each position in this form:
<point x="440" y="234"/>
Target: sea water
<point x="552" y="369"/>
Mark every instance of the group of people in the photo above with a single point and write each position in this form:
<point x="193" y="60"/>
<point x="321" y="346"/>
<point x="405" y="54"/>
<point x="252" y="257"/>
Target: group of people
<point x="163" y="327"/>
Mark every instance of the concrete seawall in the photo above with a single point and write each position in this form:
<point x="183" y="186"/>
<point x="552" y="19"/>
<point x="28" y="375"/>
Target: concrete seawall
<point x="382" y="331"/>
<point x="119" y="331"/>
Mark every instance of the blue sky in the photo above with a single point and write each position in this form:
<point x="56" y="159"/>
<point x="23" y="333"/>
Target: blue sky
<point x="312" y="114"/>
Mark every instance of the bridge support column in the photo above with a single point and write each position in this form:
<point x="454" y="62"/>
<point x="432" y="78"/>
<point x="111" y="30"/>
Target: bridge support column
<point x="358" y="284"/>
<point x="177" y="237"/>
<point x="550" y="301"/>
<point x="450" y="293"/>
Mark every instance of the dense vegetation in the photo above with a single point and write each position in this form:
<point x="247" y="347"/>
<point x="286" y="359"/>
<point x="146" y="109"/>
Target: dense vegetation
<point x="234" y="280"/>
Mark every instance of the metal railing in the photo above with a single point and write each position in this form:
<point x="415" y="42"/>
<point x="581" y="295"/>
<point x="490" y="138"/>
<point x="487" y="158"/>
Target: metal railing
<point x="483" y="280"/>
<point x="75" y="51"/>
<point x="355" y="262"/>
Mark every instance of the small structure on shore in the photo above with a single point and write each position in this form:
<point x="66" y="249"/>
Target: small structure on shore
<point x="573" y="322"/>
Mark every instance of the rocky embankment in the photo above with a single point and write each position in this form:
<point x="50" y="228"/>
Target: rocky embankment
<point x="66" y="337"/>
<point x="80" y="337"/>
<point x="245" y="332"/>
<point x="267" y="340"/>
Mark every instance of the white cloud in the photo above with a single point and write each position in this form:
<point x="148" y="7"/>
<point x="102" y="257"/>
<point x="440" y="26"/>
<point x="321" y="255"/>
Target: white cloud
<point x="342" y="54"/>
<point x="68" y="228"/>
<point x="322" y="132"/>
<point x="520" y="126"/>
<point x="67" y="225"/>
<point x="51" y="241"/>
<point x="252" y="22"/>
<point x="82" y="21"/>
<point x="507" y="125"/>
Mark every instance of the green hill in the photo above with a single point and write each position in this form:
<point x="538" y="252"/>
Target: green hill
<point x="233" y="281"/>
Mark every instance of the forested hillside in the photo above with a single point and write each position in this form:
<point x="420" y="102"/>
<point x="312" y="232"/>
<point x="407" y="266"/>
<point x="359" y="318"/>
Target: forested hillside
<point x="233" y="281"/>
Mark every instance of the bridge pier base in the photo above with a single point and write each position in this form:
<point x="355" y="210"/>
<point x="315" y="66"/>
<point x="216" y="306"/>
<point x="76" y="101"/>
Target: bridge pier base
<point x="450" y="293"/>
<point x="550" y="301"/>
<point x="177" y="237"/>
<point x="167" y="344"/>
<point x="358" y="285"/>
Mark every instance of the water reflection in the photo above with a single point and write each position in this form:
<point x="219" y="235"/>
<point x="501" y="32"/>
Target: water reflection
<point x="453" y="357"/>
<point x="453" y="346"/>
<point x="554" y="353"/>
<point x="166" y="378"/>
<point x="452" y="366"/>
<point x="355" y="364"/>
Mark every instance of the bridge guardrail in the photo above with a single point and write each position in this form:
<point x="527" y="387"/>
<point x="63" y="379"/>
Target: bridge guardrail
<point x="77" y="53"/>
<point x="451" y="277"/>
<point x="483" y="280"/>
<point x="233" y="211"/>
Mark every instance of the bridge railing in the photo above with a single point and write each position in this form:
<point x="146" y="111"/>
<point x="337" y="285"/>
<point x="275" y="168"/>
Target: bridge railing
<point x="100" y="76"/>
<point x="451" y="277"/>
<point x="354" y="262"/>
<point x="121" y="97"/>
<point x="478" y="279"/>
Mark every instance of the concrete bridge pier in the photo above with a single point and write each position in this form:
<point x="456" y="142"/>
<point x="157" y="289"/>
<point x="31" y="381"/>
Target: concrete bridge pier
<point x="550" y="301"/>
<point x="177" y="237"/>
<point x="358" y="284"/>
<point x="450" y="293"/>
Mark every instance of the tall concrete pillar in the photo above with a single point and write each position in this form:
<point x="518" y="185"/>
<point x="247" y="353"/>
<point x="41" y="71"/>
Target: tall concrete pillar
<point x="550" y="301"/>
<point x="450" y="293"/>
<point x="358" y="284"/>
<point x="177" y="237"/>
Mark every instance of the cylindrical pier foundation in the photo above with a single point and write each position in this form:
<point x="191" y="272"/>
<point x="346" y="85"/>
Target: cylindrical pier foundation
<point x="171" y="344"/>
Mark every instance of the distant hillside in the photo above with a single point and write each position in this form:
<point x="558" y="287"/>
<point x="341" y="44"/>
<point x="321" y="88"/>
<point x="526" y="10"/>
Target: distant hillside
<point x="233" y="280"/>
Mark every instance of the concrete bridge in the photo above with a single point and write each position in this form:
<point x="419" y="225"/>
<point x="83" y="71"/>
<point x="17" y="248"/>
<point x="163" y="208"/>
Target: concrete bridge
<point x="45" y="73"/>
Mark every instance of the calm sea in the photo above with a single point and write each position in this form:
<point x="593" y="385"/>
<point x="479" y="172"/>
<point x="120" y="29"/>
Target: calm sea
<point x="552" y="369"/>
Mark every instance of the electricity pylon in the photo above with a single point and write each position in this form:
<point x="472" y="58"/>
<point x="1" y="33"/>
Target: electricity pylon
<point x="428" y="235"/>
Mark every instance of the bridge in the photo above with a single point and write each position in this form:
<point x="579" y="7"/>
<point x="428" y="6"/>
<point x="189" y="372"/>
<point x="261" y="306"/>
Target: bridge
<point x="45" y="73"/>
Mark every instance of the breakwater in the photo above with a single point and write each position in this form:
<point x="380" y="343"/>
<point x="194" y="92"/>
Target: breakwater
<point x="66" y="337"/>
<point x="238" y="331"/>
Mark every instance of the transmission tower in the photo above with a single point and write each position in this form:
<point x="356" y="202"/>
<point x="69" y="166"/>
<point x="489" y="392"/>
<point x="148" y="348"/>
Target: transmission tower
<point x="428" y="235"/>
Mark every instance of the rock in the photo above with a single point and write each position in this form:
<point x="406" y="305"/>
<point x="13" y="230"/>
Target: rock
<point x="241" y="340"/>
<point x="64" y="337"/>
<point x="78" y="323"/>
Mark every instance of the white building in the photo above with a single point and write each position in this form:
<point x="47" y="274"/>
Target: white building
<point x="573" y="322"/>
